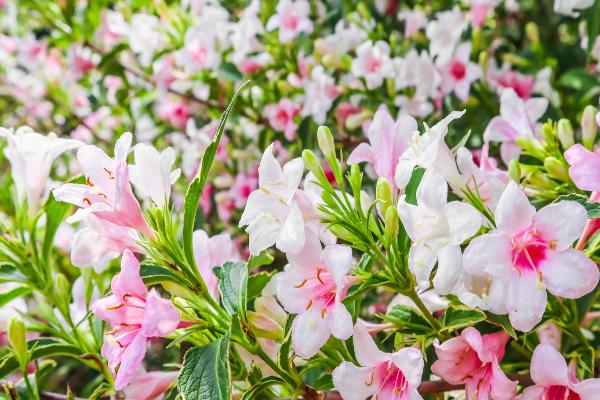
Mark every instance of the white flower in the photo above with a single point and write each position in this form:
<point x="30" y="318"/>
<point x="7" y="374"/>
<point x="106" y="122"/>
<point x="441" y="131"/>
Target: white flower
<point x="445" y="32"/>
<point x="320" y="91"/>
<point x="373" y="63"/>
<point x="152" y="173"/>
<point x="571" y="7"/>
<point x="145" y="37"/>
<point x="292" y="18"/>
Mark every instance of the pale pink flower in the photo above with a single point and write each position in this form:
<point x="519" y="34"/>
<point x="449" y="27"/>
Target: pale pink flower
<point x="211" y="252"/>
<point x="555" y="381"/>
<point x="414" y="20"/>
<point x="113" y="28"/>
<point x="458" y="73"/>
<point x="153" y="173"/>
<point x="107" y="192"/>
<point x="473" y="360"/>
<point x="272" y="214"/>
<point x="243" y="185"/>
<point x="173" y="110"/>
<point x="381" y="375"/>
<point x="136" y="316"/>
<point x="112" y="84"/>
<point x="313" y="285"/>
<point x="480" y="9"/>
<point x="517" y="119"/>
<point x="523" y="85"/>
<point x="101" y="241"/>
<point x="281" y="117"/>
<point x="388" y="139"/>
<point x="584" y="167"/>
<point x="531" y="251"/>
<point x="81" y="60"/>
<point x="292" y="18"/>
<point x="149" y="385"/>
<point x="444" y="33"/>
<point x="319" y="93"/>
<point x="198" y="52"/>
<point x="437" y="229"/>
<point x="373" y="63"/>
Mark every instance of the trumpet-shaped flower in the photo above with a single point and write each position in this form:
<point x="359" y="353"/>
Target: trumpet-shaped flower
<point x="553" y="379"/>
<point x="530" y="252"/>
<point x="281" y="117"/>
<point x="429" y="150"/>
<point x="387" y="141"/>
<point x="313" y="285"/>
<point x="152" y="174"/>
<point x="437" y="229"/>
<point x="272" y="214"/>
<point x="517" y="119"/>
<point x="136" y="316"/>
<point x="473" y="360"/>
<point x="211" y="252"/>
<point x="107" y="192"/>
<point x="585" y="167"/>
<point x="31" y="156"/>
<point x="459" y="72"/>
<point x="149" y="385"/>
<point x="381" y="375"/>
<point x="373" y="63"/>
<point x="292" y="18"/>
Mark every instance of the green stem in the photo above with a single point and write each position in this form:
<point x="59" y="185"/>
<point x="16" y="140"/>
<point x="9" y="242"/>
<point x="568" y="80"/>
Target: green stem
<point x="426" y="313"/>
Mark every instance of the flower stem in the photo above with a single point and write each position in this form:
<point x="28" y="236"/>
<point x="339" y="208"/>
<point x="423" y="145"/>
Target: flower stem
<point x="412" y="294"/>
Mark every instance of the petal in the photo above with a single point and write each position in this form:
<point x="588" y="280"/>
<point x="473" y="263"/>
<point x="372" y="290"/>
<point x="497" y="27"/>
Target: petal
<point x="291" y="292"/>
<point x="131" y="361"/>
<point x="310" y="256"/>
<point x="449" y="268"/>
<point x="533" y="393"/>
<point x="128" y="281"/>
<point x="563" y="221"/>
<point x="584" y="167"/>
<point x="588" y="389"/>
<point x="512" y="109"/>
<point x="362" y="153"/>
<point x="291" y="237"/>
<point x="545" y="355"/>
<point x="292" y="172"/>
<point x="404" y="170"/>
<point x="309" y="332"/>
<point x="502" y="388"/>
<point x="526" y="301"/>
<point x="263" y="233"/>
<point x="367" y="352"/>
<point x="340" y="321"/>
<point x="489" y="254"/>
<point x="499" y="130"/>
<point x="463" y="221"/>
<point x="353" y="382"/>
<point x="569" y="273"/>
<point x="160" y="318"/>
<point x="513" y="213"/>
<point x="509" y="151"/>
<point x="536" y="107"/>
<point x="338" y="261"/>
<point x="432" y="192"/>
<point x="410" y="362"/>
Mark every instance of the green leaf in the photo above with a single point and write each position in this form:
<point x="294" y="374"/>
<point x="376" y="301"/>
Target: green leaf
<point x="460" y="317"/>
<point x="592" y="208"/>
<point x="9" y="295"/>
<point x="264" y="258"/>
<point x="55" y="213"/>
<point x="233" y="285"/>
<point x="256" y="391"/>
<point x="578" y="79"/>
<point x="502" y="321"/>
<point x="192" y="195"/>
<point x="205" y="372"/>
<point x="593" y="24"/>
<point x="257" y="282"/>
<point x="586" y="361"/>
<point x="413" y="184"/>
<point x="408" y="319"/>
<point x="39" y="348"/>
<point x="230" y="72"/>
<point x="153" y="274"/>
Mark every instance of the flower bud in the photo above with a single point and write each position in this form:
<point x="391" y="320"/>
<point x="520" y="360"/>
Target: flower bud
<point x="311" y="162"/>
<point x="383" y="194"/>
<point x="325" y="139"/>
<point x="269" y="319"/>
<point x="531" y="146"/>
<point x="556" y="169"/>
<point x="356" y="120"/>
<point x="391" y="222"/>
<point x="514" y="170"/>
<point x="18" y="342"/>
<point x="62" y="289"/>
<point x="588" y="127"/>
<point x="565" y="133"/>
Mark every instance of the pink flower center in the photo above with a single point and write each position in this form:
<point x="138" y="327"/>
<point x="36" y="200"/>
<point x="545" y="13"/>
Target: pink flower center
<point x="560" y="393"/>
<point x="458" y="70"/>
<point x="372" y="63"/>
<point x="391" y="382"/>
<point x="323" y="290"/>
<point x="283" y="117"/>
<point x="529" y="249"/>
<point x="200" y="55"/>
<point x="290" y="21"/>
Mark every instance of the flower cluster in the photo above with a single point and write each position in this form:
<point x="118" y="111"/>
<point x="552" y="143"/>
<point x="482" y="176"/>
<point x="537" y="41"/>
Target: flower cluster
<point x="178" y="221"/>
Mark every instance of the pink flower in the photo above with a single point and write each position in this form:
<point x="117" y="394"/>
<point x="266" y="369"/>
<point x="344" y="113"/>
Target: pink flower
<point x="459" y="72"/>
<point x="521" y="84"/>
<point x="135" y="316"/>
<point x="313" y="285"/>
<point x="585" y="167"/>
<point x="107" y="192"/>
<point x="211" y="252"/>
<point x="388" y="139"/>
<point x="243" y="185"/>
<point x="530" y="252"/>
<point x="480" y="9"/>
<point x="473" y="360"/>
<point x="373" y="63"/>
<point x="381" y="375"/>
<point x="198" y="52"/>
<point x="174" y="111"/>
<point x="149" y="385"/>
<point x="517" y="120"/>
<point x="413" y="21"/>
<point x="553" y="379"/>
<point x="281" y="117"/>
<point x="292" y="18"/>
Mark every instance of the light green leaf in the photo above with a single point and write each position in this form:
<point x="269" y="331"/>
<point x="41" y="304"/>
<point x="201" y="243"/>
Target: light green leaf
<point x="9" y="295"/>
<point x="408" y="319"/>
<point x="460" y="317"/>
<point x="257" y="282"/>
<point x="233" y="285"/>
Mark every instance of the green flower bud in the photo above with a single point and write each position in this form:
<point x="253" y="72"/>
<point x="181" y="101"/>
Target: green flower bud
<point x="391" y="222"/>
<point x="588" y="126"/>
<point x="325" y="139"/>
<point x="383" y="194"/>
<point x="514" y="170"/>
<point x="556" y="169"/>
<point x="311" y="162"/>
<point x="565" y="133"/>
<point x="356" y="120"/>
<point x="18" y="342"/>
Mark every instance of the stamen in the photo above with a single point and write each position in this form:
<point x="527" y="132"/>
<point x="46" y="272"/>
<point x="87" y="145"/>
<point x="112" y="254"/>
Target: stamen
<point x="114" y="307"/>
<point x="319" y="275"/>
<point x="309" y="304"/>
<point x="109" y="172"/>
<point x="301" y="284"/>
<point x="88" y="181"/>
<point x="87" y="201"/>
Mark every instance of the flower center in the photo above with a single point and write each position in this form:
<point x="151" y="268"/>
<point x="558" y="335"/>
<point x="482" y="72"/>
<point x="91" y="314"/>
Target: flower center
<point x="372" y="63"/>
<point x="290" y="21"/>
<point x="529" y="249"/>
<point x="560" y="393"/>
<point x="458" y="70"/>
<point x="322" y="288"/>
<point x="391" y="382"/>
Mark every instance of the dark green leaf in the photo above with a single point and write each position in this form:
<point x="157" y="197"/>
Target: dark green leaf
<point x="257" y="390"/>
<point x="413" y="184"/>
<point x="153" y="274"/>
<point x="578" y="79"/>
<point x="42" y="347"/>
<point x="408" y="319"/>
<point x="55" y="213"/>
<point x="460" y="317"/>
<point x="502" y="321"/>
<point x="230" y="72"/>
<point x="257" y="282"/>
<point x="233" y="285"/>
<point x="205" y="372"/>
<point x="592" y="208"/>
<point x="9" y="295"/>
<point x="264" y="258"/>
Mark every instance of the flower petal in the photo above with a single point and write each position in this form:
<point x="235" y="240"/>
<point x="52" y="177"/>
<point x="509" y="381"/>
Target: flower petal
<point x="563" y="221"/>
<point x="310" y="332"/>
<point x="131" y="361"/>
<point x="526" y="301"/>
<point x="353" y="383"/>
<point x="545" y="355"/>
<point x="569" y="273"/>
<point x="513" y="213"/>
